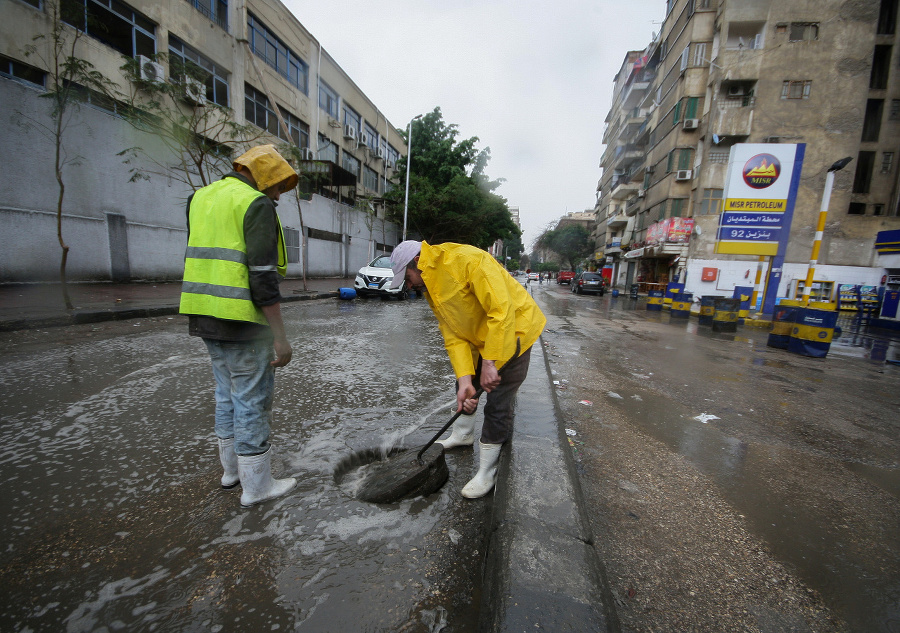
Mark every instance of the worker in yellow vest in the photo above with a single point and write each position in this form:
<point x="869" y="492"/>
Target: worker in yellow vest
<point x="234" y="257"/>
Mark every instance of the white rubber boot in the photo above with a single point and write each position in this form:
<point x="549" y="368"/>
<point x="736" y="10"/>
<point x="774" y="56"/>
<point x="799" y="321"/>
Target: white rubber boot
<point x="229" y="463"/>
<point x="486" y="476"/>
<point x="256" y="479"/>
<point x="461" y="433"/>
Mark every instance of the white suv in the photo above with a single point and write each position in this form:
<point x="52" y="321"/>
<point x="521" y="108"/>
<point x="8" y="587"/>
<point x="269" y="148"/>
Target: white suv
<point x="373" y="279"/>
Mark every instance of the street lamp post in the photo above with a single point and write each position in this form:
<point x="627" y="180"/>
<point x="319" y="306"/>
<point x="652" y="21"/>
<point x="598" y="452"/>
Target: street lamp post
<point x="408" y="161"/>
<point x="820" y="229"/>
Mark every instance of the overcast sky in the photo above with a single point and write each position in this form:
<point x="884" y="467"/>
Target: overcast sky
<point x="532" y="80"/>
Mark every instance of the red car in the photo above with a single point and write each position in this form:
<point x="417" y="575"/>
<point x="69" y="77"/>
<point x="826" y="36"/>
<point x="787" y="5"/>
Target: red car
<point x="565" y="276"/>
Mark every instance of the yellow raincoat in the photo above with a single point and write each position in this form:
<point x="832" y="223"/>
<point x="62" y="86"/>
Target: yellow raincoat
<point x="480" y="308"/>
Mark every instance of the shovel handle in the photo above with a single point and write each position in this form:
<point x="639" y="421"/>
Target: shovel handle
<point x="477" y="395"/>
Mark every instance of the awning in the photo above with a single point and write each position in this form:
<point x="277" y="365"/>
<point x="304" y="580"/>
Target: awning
<point x="326" y="173"/>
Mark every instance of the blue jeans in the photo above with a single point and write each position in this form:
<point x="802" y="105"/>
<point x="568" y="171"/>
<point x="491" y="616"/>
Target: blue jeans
<point x="245" y="390"/>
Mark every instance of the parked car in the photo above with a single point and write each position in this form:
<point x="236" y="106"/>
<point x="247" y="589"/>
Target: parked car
<point x="589" y="282"/>
<point x="373" y="279"/>
<point x="565" y="276"/>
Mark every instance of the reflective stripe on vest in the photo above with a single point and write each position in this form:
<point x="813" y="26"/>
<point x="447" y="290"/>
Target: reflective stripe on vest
<point x="216" y="275"/>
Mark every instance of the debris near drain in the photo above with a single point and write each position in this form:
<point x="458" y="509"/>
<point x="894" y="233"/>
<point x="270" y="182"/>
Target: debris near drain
<point x="706" y="417"/>
<point x="586" y="403"/>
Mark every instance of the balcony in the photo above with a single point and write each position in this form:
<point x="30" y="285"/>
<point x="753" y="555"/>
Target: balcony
<point x="622" y="189"/>
<point x="735" y="116"/>
<point x="617" y="220"/>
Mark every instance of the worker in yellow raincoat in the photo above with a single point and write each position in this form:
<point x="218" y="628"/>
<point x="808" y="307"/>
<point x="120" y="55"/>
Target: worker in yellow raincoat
<point x="484" y="316"/>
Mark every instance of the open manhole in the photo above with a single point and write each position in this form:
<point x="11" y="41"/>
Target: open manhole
<point x="378" y="476"/>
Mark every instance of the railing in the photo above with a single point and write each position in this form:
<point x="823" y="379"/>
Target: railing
<point x="221" y="21"/>
<point x="747" y="101"/>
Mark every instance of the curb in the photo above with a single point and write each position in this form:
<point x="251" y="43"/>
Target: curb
<point x="541" y="570"/>
<point x="80" y="316"/>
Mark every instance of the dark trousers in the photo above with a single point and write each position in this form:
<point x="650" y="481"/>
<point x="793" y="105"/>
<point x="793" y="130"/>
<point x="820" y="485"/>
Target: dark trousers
<point x="499" y="407"/>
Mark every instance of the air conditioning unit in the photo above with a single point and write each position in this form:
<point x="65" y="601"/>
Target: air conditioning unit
<point x="390" y="163"/>
<point x="308" y="154"/>
<point x="150" y="70"/>
<point x="194" y="90"/>
<point x="683" y="174"/>
<point x="690" y="124"/>
<point x="736" y="91"/>
<point x="641" y="193"/>
<point x="364" y="137"/>
<point x="350" y="132"/>
<point x="381" y="153"/>
<point x="648" y="170"/>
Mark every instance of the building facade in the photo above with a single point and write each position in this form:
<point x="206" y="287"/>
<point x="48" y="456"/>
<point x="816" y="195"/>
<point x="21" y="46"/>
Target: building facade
<point x="723" y="72"/>
<point x="252" y="57"/>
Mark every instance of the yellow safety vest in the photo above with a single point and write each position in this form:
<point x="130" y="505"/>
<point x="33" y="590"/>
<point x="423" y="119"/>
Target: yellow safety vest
<point x="216" y="273"/>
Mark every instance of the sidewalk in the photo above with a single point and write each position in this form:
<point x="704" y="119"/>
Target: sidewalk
<point x="28" y="306"/>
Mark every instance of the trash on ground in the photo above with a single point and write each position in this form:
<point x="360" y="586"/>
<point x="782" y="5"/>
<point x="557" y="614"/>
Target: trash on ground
<point x="613" y="394"/>
<point x="706" y="417"/>
<point x="586" y="403"/>
<point x="571" y="432"/>
<point x="637" y="397"/>
<point x="454" y="536"/>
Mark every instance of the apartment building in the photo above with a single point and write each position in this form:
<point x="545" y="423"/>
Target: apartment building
<point x="253" y="57"/>
<point x="723" y="72"/>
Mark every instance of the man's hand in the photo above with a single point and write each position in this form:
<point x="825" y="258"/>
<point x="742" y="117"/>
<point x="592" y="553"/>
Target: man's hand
<point x="465" y="396"/>
<point x="283" y="353"/>
<point x="490" y="377"/>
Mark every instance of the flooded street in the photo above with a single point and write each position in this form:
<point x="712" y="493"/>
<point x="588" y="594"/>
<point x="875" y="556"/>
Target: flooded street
<point x="114" y="519"/>
<point x="740" y="487"/>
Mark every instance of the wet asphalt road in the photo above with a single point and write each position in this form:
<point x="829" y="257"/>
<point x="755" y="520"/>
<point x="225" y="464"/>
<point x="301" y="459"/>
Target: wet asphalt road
<point x="113" y="518"/>
<point x="733" y="486"/>
<point x="779" y="513"/>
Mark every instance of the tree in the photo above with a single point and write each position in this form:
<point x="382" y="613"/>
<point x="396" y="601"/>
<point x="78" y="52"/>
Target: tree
<point x="572" y="243"/>
<point x="199" y="134"/>
<point x="70" y="81"/>
<point x="451" y="198"/>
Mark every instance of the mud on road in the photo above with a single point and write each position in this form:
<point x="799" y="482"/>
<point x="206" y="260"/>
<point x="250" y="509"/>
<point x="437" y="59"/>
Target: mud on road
<point x="731" y="486"/>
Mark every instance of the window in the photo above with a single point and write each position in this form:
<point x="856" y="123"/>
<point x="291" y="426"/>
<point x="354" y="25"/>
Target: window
<point x="865" y="163"/>
<point x="292" y="245"/>
<point x="258" y="111"/>
<point x="350" y="163"/>
<point x="372" y="140"/>
<point x="676" y="208"/>
<point x="676" y="113"/>
<point x="351" y="118"/>
<point x="670" y="161"/>
<point x="328" y="99"/>
<point x="184" y="60"/>
<point x="877" y="209"/>
<point x="370" y="179"/>
<point x="685" y="54"/>
<point x="700" y="54"/>
<point x="661" y="211"/>
<point x="113" y="23"/>
<point x="327" y="149"/>
<point x="857" y="208"/>
<point x="804" y="32"/>
<point x="895" y="110"/>
<point x="17" y="70"/>
<point x="887" y="162"/>
<point x="215" y="10"/>
<point x="684" y="158"/>
<point x="796" y="89"/>
<point x="887" y="17"/>
<point x="272" y="51"/>
<point x="872" y="122"/>
<point x="881" y="67"/>
<point x="711" y="204"/>
<point x="690" y="111"/>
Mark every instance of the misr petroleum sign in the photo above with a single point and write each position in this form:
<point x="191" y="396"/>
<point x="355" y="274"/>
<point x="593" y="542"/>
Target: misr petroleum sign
<point x="759" y="198"/>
